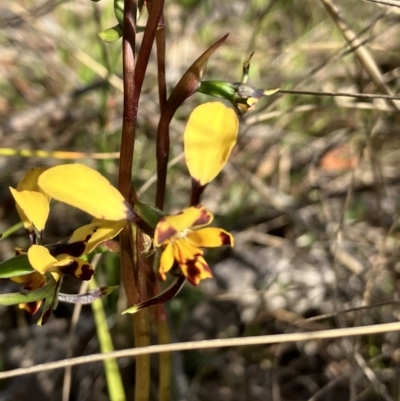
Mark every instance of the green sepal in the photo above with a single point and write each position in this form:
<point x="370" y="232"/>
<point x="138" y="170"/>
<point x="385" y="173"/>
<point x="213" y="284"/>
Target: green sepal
<point x="119" y="11"/>
<point x="111" y="35"/>
<point x="50" y="302"/>
<point x="149" y="213"/>
<point x="16" y="266"/>
<point x="11" y="230"/>
<point x="44" y="292"/>
<point x="220" y="89"/>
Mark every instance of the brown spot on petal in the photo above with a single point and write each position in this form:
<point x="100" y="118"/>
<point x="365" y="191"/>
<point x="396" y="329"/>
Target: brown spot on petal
<point x="196" y="271"/>
<point x="163" y="235"/>
<point x="74" y="249"/>
<point x="204" y="217"/>
<point x="87" y="272"/>
<point x="83" y="272"/>
<point x="71" y="268"/>
<point x="225" y="238"/>
<point x="193" y="272"/>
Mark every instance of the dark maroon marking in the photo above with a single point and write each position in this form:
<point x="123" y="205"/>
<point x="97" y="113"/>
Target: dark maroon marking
<point x="32" y="307"/>
<point x="71" y="268"/>
<point x="225" y="238"/>
<point x="87" y="272"/>
<point x="204" y="217"/>
<point x="75" y="249"/>
<point x="19" y="252"/>
<point x="46" y="316"/>
<point x="192" y="271"/>
<point x="166" y="295"/>
<point x="197" y="191"/>
<point x="165" y="234"/>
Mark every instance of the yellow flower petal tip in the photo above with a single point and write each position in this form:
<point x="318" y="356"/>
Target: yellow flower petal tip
<point x="29" y="182"/>
<point x="209" y="137"/>
<point x="33" y="208"/>
<point x="131" y="310"/>
<point x="196" y="270"/>
<point x="86" y="189"/>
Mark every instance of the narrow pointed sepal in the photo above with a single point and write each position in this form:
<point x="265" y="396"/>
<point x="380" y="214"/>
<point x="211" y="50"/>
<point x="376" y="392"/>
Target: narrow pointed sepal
<point x="162" y="298"/>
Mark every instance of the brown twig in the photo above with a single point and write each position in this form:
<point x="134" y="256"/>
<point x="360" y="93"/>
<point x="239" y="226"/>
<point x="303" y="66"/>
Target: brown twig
<point x="132" y="282"/>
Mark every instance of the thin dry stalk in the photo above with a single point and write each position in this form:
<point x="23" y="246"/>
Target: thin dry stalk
<point x="209" y="344"/>
<point x="360" y="51"/>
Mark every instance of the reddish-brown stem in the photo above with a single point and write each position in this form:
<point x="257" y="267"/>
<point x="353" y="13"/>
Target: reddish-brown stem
<point x="132" y="272"/>
<point x="160" y="43"/>
<point x="197" y="191"/>
<point x="155" y="8"/>
<point x="130" y="111"/>
<point x="162" y="155"/>
<point x="161" y="318"/>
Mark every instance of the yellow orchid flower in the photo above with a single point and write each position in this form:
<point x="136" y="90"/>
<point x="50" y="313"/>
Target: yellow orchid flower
<point x="183" y="235"/>
<point x="64" y="257"/>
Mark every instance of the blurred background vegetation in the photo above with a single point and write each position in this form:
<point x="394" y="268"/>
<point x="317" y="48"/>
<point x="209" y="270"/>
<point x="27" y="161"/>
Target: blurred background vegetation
<point x="311" y="193"/>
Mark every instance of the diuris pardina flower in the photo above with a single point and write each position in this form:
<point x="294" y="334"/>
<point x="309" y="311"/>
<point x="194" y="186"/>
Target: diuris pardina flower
<point x="183" y="235"/>
<point x="64" y="257"/>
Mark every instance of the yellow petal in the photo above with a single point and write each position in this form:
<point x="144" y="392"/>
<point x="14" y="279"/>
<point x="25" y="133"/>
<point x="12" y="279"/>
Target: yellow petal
<point x="195" y="270"/>
<point x="86" y="238"/>
<point x="29" y="181"/>
<point x="33" y="208"/>
<point x="97" y="232"/>
<point x="31" y="307"/>
<point x="209" y="137"/>
<point x="85" y="188"/>
<point x="191" y="261"/>
<point x="185" y="250"/>
<point x="210" y="237"/>
<point x="78" y="268"/>
<point x="32" y="281"/>
<point x="41" y="260"/>
<point x="166" y="261"/>
<point x="192" y="217"/>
